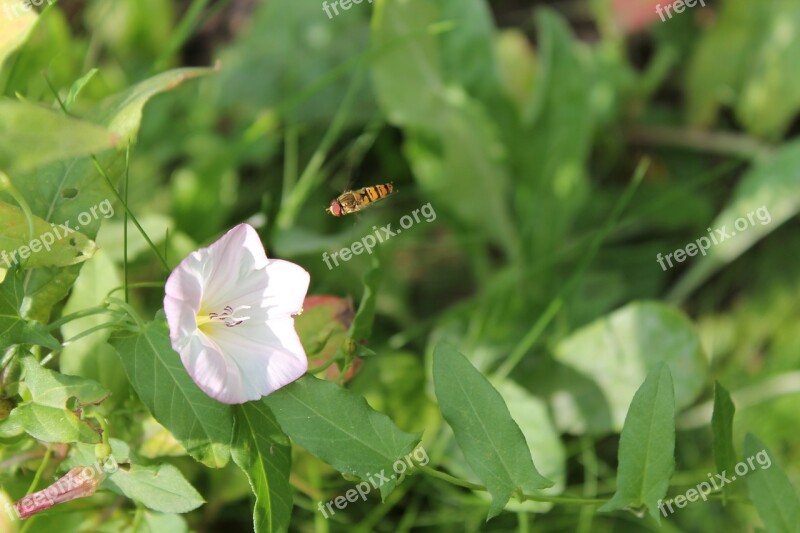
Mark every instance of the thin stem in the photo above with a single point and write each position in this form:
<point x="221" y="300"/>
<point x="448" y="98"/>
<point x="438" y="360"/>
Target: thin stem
<point x="140" y="285"/>
<point x="75" y="316"/>
<point x="130" y="214"/>
<point x="182" y="32"/>
<point x="555" y="305"/>
<point x="39" y="471"/>
<point x="721" y="143"/>
<point x="311" y="175"/>
<point x="89" y="331"/>
<point x="128" y="309"/>
<point x="125" y="224"/>
<point x="567" y="500"/>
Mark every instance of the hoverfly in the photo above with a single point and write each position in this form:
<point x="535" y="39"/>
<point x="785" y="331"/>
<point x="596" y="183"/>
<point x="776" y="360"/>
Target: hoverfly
<point x="354" y="201"/>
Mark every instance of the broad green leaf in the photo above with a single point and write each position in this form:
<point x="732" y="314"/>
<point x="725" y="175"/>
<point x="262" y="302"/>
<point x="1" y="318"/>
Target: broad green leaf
<point x="48" y="424"/>
<point x="544" y="443"/>
<point x="54" y="389"/>
<point x="264" y="454"/>
<point x="339" y="427"/>
<point x="647" y="445"/>
<point x="61" y="192"/>
<point x="203" y="425"/>
<point x="160" y="488"/>
<point x="722" y="429"/>
<point x="13" y="328"/>
<point x="619" y="350"/>
<point x="160" y="522"/>
<point x="14" y="28"/>
<point x="365" y="316"/>
<point x="766" y="197"/>
<point x="50" y="245"/>
<point x="772" y="493"/>
<point x="34" y="136"/>
<point x="491" y="440"/>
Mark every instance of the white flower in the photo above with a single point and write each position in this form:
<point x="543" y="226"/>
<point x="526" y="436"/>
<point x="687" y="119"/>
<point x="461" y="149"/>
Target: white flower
<point x="230" y="313"/>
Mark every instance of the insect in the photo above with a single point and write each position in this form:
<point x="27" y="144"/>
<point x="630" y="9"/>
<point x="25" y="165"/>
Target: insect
<point x="354" y="201"/>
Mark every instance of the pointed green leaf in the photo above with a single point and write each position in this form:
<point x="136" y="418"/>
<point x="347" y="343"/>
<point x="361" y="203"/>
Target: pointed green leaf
<point x="491" y="440"/>
<point x="647" y="445"/>
<point x="203" y="425"/>
<point x="160" y="488"/>
<point x="770" y="490"/>
<point x="264" y="454"/>
<point x="722" y="429"/>
<point x="77" y="87"/>
<point x="13" y="328"/>
<point x="49" y="246"/>
<point x="339" y="427"/>
<point x="34" y="136"/>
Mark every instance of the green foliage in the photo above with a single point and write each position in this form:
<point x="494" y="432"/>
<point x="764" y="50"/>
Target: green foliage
<point x="202" y="425"/>
<point x="340" y="428"/>
<point x="491" y="440"/>
<point x="529" y="320"/>
<point x="647" y="445"/>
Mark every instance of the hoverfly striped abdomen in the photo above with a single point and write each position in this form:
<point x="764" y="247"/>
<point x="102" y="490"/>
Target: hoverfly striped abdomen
<point x="354" y="201"/>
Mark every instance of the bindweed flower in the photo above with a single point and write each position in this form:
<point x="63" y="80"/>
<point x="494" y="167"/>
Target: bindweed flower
<point x="231" y="318"/>
<point x="79" y="482"/>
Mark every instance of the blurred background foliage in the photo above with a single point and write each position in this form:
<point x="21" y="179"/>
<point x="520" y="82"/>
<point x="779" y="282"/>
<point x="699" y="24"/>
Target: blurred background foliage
<point x="521" y="122"/>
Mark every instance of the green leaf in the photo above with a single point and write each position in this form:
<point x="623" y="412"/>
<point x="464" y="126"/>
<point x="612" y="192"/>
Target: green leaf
<point x="77" y="87"/>
<point x="203" y="425"/>
<point x="54" y="389"/>
<point x="160" y="522"/>
<point x="453" y="144"/>
<point x="772" y="493"/>
<point x="122" y="113"/>
<point x="766" y="197"/>
<point x="34" y="136"/>
<point x="619" y="350"/>
<point x="48" y="424"/>
<point x="746" y="60"/>
<point x="59" y="193"/>
<point x="491" y="440"/>
<point x="722" y="429"/>
<point x="264" y="454"/>
<point x="160" y="488"/>
<point x="365" y="316"/>
<point x="13" y="328"/>
<point x="50" y="246"/>
<point x="647" y="445"/>
<point x="14" y="30"/>
<point x="339" y="427"/>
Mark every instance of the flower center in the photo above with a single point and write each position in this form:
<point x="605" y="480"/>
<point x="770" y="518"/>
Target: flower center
<point x="227" y="316"/>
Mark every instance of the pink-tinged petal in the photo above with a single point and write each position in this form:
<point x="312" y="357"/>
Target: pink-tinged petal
<point x="270" y="356"/>
<point x="215" y="372"/>
<point x="234" y="257"/>
<point x="286" y="289"/>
